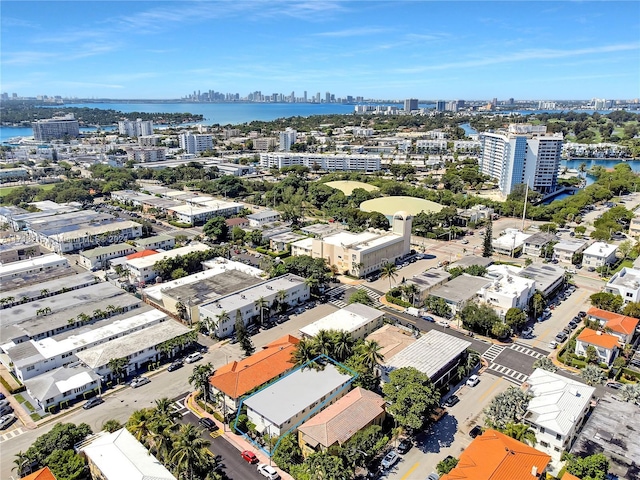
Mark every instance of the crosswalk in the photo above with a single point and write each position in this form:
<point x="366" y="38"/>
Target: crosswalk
<point x="526" y="350"/>
<point x="508" y="373"/>
<point x="335" y="293"/>
<point x="491" y="354"/>
<point x="11" y="434"/>
<point x="180" y="407"/>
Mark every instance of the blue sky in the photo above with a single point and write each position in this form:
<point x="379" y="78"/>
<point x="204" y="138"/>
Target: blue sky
<point x="377" y="49"/>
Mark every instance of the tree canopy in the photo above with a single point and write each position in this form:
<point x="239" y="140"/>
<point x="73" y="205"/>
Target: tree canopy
<point x="411" y="395"/>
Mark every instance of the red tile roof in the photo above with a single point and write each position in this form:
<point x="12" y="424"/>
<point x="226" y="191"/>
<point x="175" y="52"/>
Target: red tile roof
<point x="42" y="474"/>
<point x="143" y="253"/>
<point x="568" y="476"/>
<point x="340" y="421"/>
<point x="494" y="456"/>
<point x="615" y="321"/>
<point x="237" y="378"/>
<point x="232" y="222"/>
<point x="593" y="337"/>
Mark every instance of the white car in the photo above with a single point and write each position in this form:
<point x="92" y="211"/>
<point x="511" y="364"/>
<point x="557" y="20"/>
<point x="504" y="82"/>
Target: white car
<point x="390" y="459"/>
<point x="553" y="344"/>
<point x="6" y="420"/>
<point x="527" y="332"/>
<point x="443" y="323"/>
<point x="139" y="381"/>
<point x="194" y="357"/>
<point x="268" y="471"/>
<point x="473" y="380"/>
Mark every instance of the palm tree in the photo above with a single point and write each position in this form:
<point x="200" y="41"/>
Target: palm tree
<point x="389" y="271"/>
<point x="20" y="461"/>
<point x="305" y="352"/>
<point x="261" y="304"/>
<point x="281" y="296"/>
<point x="199" y="379"/>
<point x="189" y="449"/>
<point x="164" y="411"/>
<point x="369" y="353"/>
<point x="5" y="300"/>
<point x="111" y="426"/>
<point x="140" y="424"/>
<point x="118" y="367"/>
<point x="520" y="432"/>
<point x="44" y="292"/>
<point x="83" y="318"/>
<point x="110" y="310"/>
<point x="324" y="343"/>
<point x="411" y="289"/>
<point x="592" y="375"/>
<point x="545" y="363"/>
<point x="181" y="310"/>
<point x="342" y="345"/>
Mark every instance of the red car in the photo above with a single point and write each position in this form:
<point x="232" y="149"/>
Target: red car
<point x="249" y="456"/>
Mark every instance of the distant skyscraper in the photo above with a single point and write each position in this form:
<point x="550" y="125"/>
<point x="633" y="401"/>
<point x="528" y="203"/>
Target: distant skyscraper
<point x="318" y="97"/>
<point x="494" y="102"/>
<point x="56" y="128"/>
<point x="441" y="106"/>
<point x="523" y="154"/>
<point x="410" y="104"/>
<point x="327" y="97"/>
<point x="511" y="101"/>
<point x="305" y="96"/>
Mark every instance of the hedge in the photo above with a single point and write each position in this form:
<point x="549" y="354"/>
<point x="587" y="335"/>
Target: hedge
<point x="20" y="388"/>
<point x="397" y="301"/>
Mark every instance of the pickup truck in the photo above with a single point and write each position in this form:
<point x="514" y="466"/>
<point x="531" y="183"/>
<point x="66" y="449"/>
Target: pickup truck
<point x="437" y="414"/>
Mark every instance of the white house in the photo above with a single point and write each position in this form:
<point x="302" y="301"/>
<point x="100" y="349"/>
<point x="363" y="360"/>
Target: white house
<point x="264" y="217"/>
<point x="511" y="242"/>
<point x="606" y="345"/>
<point x="357" y="319"/>
<point x="53" y="388"/>
<point x="565" y="251"/>
<point x="599" y="254"/>
<point x="32" y="266"/>
<point x="293" y="399"/>
<point x="99" y="257"/>
<point x="625" y="283"/>
<point x="556" y="412"/>
<point x="621" y="326"/>
<point x="507" y="289"/>
<point x="535" y="244"/>
<point x="141" y="269"/>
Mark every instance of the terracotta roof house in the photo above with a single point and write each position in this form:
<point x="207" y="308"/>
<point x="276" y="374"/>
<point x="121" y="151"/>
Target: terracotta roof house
<point x="339" y="422"/>
<point x="142" y="254"/>
<point x="568" y="476"/>
<point x="42" y="474"/>
<point x="606" y="345"/>
<point x="236" y="379"/>
<point x="494" y="456"/>
<point x="621" y="326"/>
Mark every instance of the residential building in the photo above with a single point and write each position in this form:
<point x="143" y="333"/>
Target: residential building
<point x="141" y="269"/>
<point x="410" y="104"/>
<point x="264" y="144"/>
<point x="118" y="455"/>
<point x="15" y="252"/>
<point x="556" y="412"/>
<point x="536" y="243"/>
<point x="42" y="474"/>
<point x="336" y="424"/>
<point x="525" y="154"/>
<point x="621" y="326"/>
<point x="238" y="378"/>
<point x="606" y="345"/>
<point x="287" y="138"/>
<point x="511" y="242"/>
<point x="146" y="154"/>
<point x="360" y="254"/>
<point x="460" y="290"/>
<point x="339" y="162"/>
<point x="156" y="242"/>
<point x="356" y="319"/>
<point x="475" y="214"/>
<point x="634" y="227"/>
<point x="436" y="354"/>
<point x="285" y="404"/>
<point x="64" y="384"/>
<point x="237" y="222"/>
<point x="612" y="429"/>
<point x="263" y="217"/>
<point x="193" y="143"/>
<point x="567" y="251"/>
<point x="290" y="289"/>
<point x="13" y="174"/>
<point x="98" y="258"/>
<point x="625" y="283"/>
<point x="426" y="281"/>
<point x="282" y="242"/>
<point x="547" y="277"/>
<point x="56" y="128"/>
<point x="431" y="146"/>
<point x="235" y="169"/>
<point x="599" y="254"/>
<point x="198" y="214"/>
<point x="507" y="289"/>
<point x="32" y="266"/>
<point x="495" y="456"/>
<point x="135" y="128"/>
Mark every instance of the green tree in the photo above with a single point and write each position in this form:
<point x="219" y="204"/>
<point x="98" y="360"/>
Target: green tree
<point x="446" y="465"/>
<point x="304" y="352"/>
<point x="607" y="301"/>
<point x="288" y="452"/>
<point x="487" y="248"/>
<point x="66" y="464"/>
<point x="592" y="375"/>
<point x="363" y="446"/>
<point x="360" y="296"/>
<point x="189" y="450"/>
<point x="140" y="424"/>
<point x="592" y="354"/>
<point x="480" y="318"/>
<point x="63" y="436"/>
<point x="369" y="354"/>
<point x="199" y="379"/>
<point x="537" y="304"/>
<point x="262" y="304"/>
<point x="438" y="306"/>
<point x="118" y="367"/>
<point x="243" y="336"/>
<point x="411" y="397"/>
<point x="545" y="363"/>
<point x="506" y="407"/>
<point x="516" y="318"/>
<point x="216" y="227"/>
<point x="112" y="425"/>
<point x="632" y="309"/>
<point x="592" y="467"/>
<point x="521" y="432"/>
<point x="389" y="271"/>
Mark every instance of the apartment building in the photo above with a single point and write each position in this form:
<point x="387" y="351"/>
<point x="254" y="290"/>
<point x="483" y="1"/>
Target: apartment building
<point x="135" y="128"/>
<point x="194" y="143"/>
<point x="340" y="162"/>
<point x="56" y="128"/>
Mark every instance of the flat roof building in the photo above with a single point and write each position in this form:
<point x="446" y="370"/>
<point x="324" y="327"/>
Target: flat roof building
<point x="357" y="319"/>
<point x="32" y="266"/>
<point x="511" y="243"/>
<point x="625" y="283"/>
<point x="141" y="269"/>
<point x="460" y="290"/>
<point x="599" y="254"/>
<point x="565" y="251"/>
<point x="98" y="258"/>
<point x="548" y="278"/>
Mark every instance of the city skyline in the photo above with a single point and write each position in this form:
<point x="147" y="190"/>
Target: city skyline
<point x="473" y="50"/>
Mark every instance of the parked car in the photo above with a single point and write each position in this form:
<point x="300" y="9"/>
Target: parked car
<point x="428" y="318"/>
<point x="249" y="456"/>
<point x="390" y="459"/>
<point x="268" y="471"/>
<point x="561" y="337"/>
<point x="527" y="332"/>
<point x="437" y="414"/>
<point x="139" y="381"/>
<point x="614" y="385"/>
<point x="6" y="420"/>
<point x="475" y="431"/>
<point x="208" y="424"/>
<point x="194" y="357"/>
<point x="473" y="380"/>
<point x="5" y="408"/>
<point x="433" y="476"/>
<point x="404" y="446"/>
<point x="553" y="344"/>
<point x="443" y="323"/>
<point x="582" y="314"/>
<point x="451" y="401"/>
<point x="93" y="402"/>
<point x="175" y="365"/>
<point x="2" y="397"/>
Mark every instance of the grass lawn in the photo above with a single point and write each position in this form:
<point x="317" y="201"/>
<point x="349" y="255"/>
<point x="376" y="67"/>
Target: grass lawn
<point x="6" y="190"/>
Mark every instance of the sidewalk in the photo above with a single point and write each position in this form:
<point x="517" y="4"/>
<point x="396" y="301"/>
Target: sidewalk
<point x="237" y="440"/>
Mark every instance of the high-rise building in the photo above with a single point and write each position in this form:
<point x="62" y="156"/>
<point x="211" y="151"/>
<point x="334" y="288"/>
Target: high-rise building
<point x="192" y="143"/>
<point x="304" y="98"/>
<point x="138" y="128"/>
<point x="55" y="128"/>
<point x="494" y="102"/>
<point x="318" y="97"/>
<point x="441" y="106"/>
<point x="410" y="104"/>
<point x="523" y="154"/>
<point x="287" y="138"/>
<point x="327" y="97"/>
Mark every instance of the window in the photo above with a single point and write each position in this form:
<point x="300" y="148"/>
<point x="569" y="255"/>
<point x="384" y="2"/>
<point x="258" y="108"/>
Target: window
<point x="544" y="444"/>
